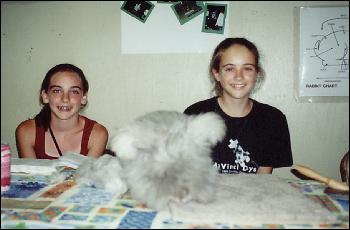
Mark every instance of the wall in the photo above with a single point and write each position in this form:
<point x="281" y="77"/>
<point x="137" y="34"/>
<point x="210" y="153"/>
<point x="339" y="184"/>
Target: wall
<point x="38" y="35"/>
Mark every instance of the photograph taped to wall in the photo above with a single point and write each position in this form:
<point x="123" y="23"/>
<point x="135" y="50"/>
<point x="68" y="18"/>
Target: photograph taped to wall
<point x="168" y="2"/>
<point x="214" y="18"/>
<point x="323" y="65"/>
<point x="162" y="33"/>
<point x="138" y="9"/>
<point x="187" y="10"/>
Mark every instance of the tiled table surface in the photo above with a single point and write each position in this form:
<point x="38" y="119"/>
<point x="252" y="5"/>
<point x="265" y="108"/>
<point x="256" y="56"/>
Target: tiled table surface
<point x="33" y="202"/>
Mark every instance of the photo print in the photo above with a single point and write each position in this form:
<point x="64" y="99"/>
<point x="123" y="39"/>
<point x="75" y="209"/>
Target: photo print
<point x="138" y="9"/>
<point x="214" y="18"/>
<point x="167" y="2"/>
<point x="187" y="10"/>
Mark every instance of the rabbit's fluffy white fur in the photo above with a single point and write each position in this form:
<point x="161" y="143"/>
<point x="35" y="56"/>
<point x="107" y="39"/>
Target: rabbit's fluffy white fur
<point x="105" y="172"/>
<point x="165" y="156"/>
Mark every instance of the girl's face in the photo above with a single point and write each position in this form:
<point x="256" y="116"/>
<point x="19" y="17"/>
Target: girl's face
<point x="237" y="72"/>
<point x="65" y="95"/>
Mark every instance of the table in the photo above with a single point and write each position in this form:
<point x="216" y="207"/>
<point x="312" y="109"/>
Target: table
<point x="34" y="202"/>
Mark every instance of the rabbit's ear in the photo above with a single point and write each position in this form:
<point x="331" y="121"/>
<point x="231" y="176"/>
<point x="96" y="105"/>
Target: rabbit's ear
<point x="208" y="127"/>
<point x="123" y="145"/>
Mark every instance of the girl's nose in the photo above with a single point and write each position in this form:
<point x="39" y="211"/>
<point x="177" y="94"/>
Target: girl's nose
<point x="65" y="97"/>
<point x="238" y="73"/>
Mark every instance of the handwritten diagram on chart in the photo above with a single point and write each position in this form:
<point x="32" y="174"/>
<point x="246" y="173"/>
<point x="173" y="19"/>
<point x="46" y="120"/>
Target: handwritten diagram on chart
<point x="324" y="51"/>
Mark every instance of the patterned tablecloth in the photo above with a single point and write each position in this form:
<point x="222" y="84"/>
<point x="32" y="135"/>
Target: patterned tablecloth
<point x="34" y="202"/>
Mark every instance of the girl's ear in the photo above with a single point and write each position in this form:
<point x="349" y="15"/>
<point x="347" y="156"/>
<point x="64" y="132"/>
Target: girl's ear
<point x="215" y="74"/>
<point x="84" y="99"/>
<point x="45" y="97"/>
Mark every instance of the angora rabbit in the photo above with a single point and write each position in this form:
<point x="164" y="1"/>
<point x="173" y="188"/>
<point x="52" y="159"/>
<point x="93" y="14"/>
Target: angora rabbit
<point x="105" y="172"/>
<point x="165" y="156"/>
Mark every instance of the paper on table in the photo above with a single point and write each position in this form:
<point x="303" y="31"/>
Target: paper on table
<point x="33" y="166"/>
<point x="46" y="166"/>
<point x="72" y="160"/>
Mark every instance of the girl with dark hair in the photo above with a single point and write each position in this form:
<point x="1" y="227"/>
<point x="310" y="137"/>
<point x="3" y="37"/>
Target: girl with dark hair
<point x="59" y="128"/>
<point x="257" y="138"/>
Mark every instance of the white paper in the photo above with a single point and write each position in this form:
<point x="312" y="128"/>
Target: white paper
<point x="324" y="51"/>
<point x="162" y="33"/>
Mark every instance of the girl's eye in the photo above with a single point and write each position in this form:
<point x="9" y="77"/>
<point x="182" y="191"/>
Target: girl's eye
<point x="249" y="68"/>
<point x="229" y="69"/>
<point x="77" y="92"/>
<point x="56" y="91"/>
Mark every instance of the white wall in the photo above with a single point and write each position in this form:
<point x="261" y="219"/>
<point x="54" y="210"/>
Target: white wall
<point x="38" y="35"/>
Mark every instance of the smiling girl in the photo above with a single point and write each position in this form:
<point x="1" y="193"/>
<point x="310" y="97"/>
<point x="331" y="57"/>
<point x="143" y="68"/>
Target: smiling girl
<point x="59" y="128"/>
<point x="257" y="138"/>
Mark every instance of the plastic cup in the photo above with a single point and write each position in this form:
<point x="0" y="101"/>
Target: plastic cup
<point x="5" y="167"/>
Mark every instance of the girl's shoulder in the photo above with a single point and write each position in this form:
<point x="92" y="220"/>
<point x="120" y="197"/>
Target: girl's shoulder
<point x="96" y="128"/>
<point x="99" y="128"/>
<point x="203" y="106"/>
<point x="267" y="115"/>
<point x="27" y="125"/>
<point x="26" y="128"/>
<point x="263" y="109"/>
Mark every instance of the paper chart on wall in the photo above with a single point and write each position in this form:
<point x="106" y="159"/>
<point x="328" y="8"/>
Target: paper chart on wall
<point x="324" y="51"/>
<point x="163" y="33"/>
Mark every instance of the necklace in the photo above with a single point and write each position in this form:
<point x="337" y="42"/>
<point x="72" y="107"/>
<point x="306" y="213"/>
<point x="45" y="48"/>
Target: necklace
<point x="54" y="140"/>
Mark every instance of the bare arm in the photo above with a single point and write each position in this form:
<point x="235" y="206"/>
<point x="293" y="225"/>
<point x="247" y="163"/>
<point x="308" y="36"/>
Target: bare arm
<point x="265" y="170"/>
<point x="97" y="141"/>
<point x="25" y="139"/>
